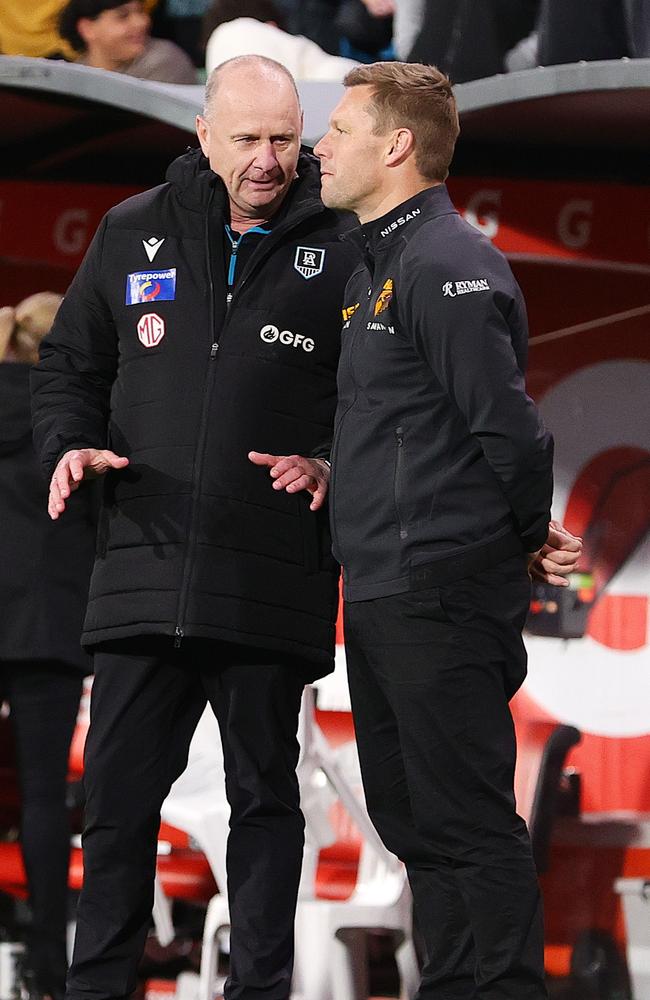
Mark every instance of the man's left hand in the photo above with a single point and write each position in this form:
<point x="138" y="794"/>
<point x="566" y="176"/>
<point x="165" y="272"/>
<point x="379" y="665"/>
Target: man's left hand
<point x="558" y="558"/>
<point x="294" y="473"/>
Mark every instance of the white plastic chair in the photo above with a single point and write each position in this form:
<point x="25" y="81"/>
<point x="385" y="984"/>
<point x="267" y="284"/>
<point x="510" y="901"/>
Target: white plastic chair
<point x="197" y="802"/>
<point x="197" y="805"/>
<point x="330" y="940"/>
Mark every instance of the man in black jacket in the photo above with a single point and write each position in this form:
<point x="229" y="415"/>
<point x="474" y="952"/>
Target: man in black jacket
<point x="204" y="322"/>
<point x="440" y="498"/>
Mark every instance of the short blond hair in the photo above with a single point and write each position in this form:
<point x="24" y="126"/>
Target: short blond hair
<point x="417" y="97"/>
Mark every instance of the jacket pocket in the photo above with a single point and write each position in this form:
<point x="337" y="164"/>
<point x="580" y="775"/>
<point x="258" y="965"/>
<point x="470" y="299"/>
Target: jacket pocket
<point x="398" y="483"/>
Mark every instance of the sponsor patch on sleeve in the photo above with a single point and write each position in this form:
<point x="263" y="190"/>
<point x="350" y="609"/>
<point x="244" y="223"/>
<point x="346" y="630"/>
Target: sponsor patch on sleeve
<point x="150" y="286"/>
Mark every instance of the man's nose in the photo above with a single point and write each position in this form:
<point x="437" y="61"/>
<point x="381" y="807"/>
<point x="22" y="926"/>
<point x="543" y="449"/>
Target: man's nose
<point x="319" y="148"/>
<point x="266" y="158"/>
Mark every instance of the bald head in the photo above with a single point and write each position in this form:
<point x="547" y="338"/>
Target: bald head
<point x="249" y="75"/>
<point x="250" y="132"/>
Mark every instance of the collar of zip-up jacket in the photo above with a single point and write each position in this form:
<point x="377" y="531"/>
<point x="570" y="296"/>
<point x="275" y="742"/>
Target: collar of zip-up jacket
<point x="198" y="186"/>
<point x="380" y="235"/>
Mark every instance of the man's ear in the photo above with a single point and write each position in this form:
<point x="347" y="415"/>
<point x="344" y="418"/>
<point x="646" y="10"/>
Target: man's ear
<point x="85" y="26"/>
<point x="400" y="146"/>
<point x="203" y="134"/>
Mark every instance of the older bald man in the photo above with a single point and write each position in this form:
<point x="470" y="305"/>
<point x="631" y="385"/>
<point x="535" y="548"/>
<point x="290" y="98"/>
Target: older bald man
<point x="204" y="322"/>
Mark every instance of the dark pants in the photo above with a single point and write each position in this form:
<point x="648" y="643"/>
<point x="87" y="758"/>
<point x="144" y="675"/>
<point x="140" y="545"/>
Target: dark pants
<point x="44" y="701"/>
<point x="430" y="676"/>
<point x="146" y="702"/>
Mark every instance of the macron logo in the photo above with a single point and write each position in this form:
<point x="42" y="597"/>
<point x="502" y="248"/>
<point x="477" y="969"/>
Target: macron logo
<point x="152" y="246"/>
<point x="454" y="288"/>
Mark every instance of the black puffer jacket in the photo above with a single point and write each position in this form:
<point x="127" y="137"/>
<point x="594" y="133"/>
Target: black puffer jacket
<point x="44" y="572"/>
<point x="193" y="540"/>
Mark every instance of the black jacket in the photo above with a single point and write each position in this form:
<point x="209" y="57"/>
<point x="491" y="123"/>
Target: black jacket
<point x="44" y="572"/>
<point x="441" y="464"/>
<point x="193" y="540"/>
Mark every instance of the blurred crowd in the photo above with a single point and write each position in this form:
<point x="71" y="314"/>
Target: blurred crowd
<point x="176" y="41"/>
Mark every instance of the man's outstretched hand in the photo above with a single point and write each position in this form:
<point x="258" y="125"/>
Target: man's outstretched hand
<point x="558" y="558"/>
<point x="75" y="466"/>
<point x="294" y="473"/>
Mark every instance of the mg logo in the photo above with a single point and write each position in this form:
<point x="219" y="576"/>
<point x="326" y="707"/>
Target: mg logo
<point x="151" y="329"/>
<point x="309" y="261"/>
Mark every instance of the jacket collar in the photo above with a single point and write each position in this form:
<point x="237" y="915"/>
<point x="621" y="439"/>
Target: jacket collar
<point x="198" y="187"/>
<point x="401" y="222"/>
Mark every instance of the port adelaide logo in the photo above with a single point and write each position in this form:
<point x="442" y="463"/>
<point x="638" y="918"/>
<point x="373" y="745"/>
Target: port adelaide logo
<point x="309" y="261"/>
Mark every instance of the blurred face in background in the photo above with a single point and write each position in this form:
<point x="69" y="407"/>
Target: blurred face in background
<point x="115" y="36"/>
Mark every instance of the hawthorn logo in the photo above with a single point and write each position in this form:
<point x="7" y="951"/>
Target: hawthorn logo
<point x="384" y="298"/>
<point x="349" y="311"/>
<point x="454" y="288"/>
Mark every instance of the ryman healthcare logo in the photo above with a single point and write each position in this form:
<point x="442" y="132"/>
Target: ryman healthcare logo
<point x="150" y="286"/>
<point x="454" y="288"/>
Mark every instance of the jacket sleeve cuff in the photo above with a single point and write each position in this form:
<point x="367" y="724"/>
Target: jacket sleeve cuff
<point x="535" y="537"/>
<point x="322" y="451"/>
<point x="74" y="446"/>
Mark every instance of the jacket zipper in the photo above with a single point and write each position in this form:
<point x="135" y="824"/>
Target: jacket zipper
<point x="179" y="631"/>
<point x="397" y="483"/>
<point x="335" y="442"/>
<point x="267" y="245"/>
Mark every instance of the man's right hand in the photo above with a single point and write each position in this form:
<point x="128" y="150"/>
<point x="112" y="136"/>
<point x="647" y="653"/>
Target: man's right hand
<point x="72" y="468"/>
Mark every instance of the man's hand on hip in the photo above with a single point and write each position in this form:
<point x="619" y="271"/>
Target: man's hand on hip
<point x="558" y="558"/>
<point x="294" y="473"/>
<point x="75" y="466"/>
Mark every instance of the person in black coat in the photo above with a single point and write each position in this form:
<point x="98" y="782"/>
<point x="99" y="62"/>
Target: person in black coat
<point x="469" y="40"/>
<point x="43" y="591"/>
<point x="440" y="505"/>
<point x="203" y="325"/>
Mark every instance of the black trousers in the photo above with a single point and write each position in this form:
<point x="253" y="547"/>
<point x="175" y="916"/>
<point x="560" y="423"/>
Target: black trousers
<point x="146" y="701"/>
<point x="44" y="701"/>
<point x="431" y="673"/>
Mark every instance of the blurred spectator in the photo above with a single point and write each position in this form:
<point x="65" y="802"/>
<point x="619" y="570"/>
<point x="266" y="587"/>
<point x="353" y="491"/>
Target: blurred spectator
<point x="366" y="26"/>
<point x="241" y="27"/>
<point x="30" y="29"/>
<point x="43" y="589"/>
<point x="584" y="29"/>
<point x="407" y="21"/>
<point x="316" y="19"/>
<point x="637" y="17"/>
<point x="114" y="35"/>
<point x="181" y="21"/>
<point x="469" y="40"/>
